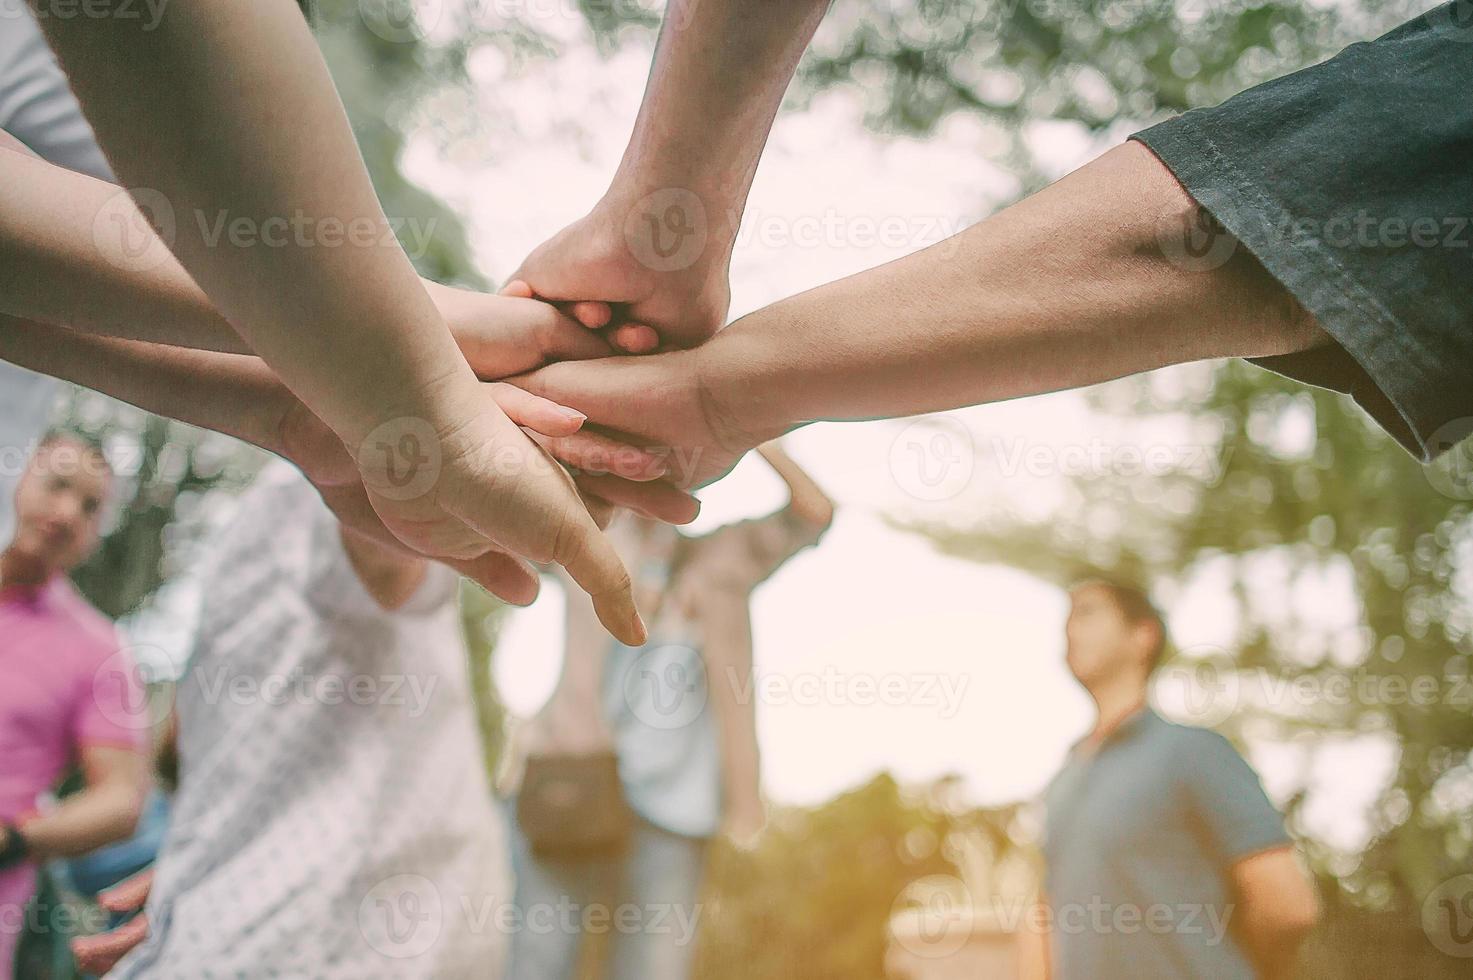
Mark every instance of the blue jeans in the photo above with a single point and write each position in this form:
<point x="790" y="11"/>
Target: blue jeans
<point x="646" y="900"/>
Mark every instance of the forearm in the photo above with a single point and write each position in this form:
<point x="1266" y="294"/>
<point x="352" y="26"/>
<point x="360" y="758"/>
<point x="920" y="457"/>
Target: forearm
<point x="93" y="818"/>
<point x="719" y="74"/>
<point x="226" y="111"/>
<point x="1069" y="287"/>
<point x="231" y="393"/>
<point x="75" y="251"/>
<point x="805" y="497"/>
<point x="1273" y="950"/>
<point x="728" y="659"/>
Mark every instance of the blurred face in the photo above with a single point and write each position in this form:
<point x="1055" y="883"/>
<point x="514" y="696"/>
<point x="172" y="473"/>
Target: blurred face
<point x="1102" y="643"/>
<point x="58" y="505"/>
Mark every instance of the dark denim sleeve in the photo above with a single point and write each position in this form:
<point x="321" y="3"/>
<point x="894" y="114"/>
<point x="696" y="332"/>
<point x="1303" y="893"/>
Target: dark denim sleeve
<point x="1352" y="182"/>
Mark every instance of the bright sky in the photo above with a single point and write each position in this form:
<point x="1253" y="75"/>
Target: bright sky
<point x="977" y="649"/>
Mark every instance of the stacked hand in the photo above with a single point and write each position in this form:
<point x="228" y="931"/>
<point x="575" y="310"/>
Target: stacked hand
<point x="626" y="269"/>
<point x="648" y="270"/>
<point x="408" y="475"/>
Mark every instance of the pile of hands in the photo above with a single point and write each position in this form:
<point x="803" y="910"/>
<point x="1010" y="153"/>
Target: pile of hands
<point x="595" y="361"/>
<point x="594" y="397"/>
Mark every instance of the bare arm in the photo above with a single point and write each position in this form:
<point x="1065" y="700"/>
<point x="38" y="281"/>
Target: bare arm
<point x="240" y="396"/>
<point x="76" y="251"/>
<point x="1277" y="908"/>
<point x="659" y="242"/>
<point x="1033" y="943"/>
<point x="104" y="812"/>
<point x="226" y="112"/>
<point x="1067" y="288"/>
<point x="727" y="631"/>
<point x="806" y="498"/>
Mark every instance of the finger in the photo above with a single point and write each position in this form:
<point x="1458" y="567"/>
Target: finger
<point x="129" y="895"/>
<point x="540" y="516"/>
<point x="519" y="334"/>
<point x="96" y="955"/>
<point x="590" y="559"/>
<point x="561" y="337"/>
<point x="505" y="576"/>
<point x="606" y="391"/>
<point x="419" y="522"/>
<point x="592" y="314"/>
<point x="594" y="452"/>
<point x="655" y="499"/>
<point x="635" y="338"/>
<point x="517" y="288"/>
<point x="601" y="510"/>
<point x="540" y="414"/>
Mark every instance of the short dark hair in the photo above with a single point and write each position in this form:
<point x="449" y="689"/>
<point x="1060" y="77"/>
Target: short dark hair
<point x="90" y="444"/>
<point x="1137" y="608"/>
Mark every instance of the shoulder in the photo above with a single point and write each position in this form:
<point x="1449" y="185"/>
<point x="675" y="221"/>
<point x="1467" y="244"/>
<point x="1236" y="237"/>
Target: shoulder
<point x="96" y="634"/>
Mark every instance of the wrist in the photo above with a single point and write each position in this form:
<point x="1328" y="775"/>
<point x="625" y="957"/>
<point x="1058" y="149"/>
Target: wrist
<point x="741" y="407"/>
<point x="673" y="224"/>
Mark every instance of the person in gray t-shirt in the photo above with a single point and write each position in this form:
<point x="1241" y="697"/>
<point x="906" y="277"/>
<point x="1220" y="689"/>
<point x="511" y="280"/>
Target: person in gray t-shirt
<point x="1164" y="858"/>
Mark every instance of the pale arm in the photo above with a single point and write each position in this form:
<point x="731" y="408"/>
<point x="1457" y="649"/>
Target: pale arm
<point x="1276" y="909"/>
<point x="76" y="251"/>
<point x="1033" y="943"/>
<point x="240" y="396"/>
<point x="104" y="812"/>
<point x="806" y="498"/>
<point x="226" y="111"/>
<point x="659" y="242"/>
<point x="1067" y="288"/>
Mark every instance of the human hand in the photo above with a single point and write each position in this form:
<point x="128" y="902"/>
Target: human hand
<point x="665" y="402"/>
<point x="96" y="955"/>
<point x="507" y="334"/>
<point x="305" y="440"/>
<point x="463" y="480"/>
<point x="648" y="271"/>
<point x="502" y="335"/>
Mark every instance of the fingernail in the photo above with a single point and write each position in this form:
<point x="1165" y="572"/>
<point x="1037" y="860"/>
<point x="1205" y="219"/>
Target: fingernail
<point x="572" y="414"/>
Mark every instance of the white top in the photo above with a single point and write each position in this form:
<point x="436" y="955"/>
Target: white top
<point x="37" y="108"/>
<point x="334" y="818"/>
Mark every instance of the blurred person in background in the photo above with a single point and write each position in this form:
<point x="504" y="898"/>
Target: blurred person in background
<point x="644" y="754"/>
<point x="69" y="691"/>
<point x="1163" y="855"/>
<point x="333" y="818"/>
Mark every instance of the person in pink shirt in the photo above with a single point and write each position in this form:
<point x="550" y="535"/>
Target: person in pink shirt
<point x="69" y="693"/>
